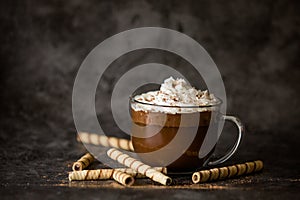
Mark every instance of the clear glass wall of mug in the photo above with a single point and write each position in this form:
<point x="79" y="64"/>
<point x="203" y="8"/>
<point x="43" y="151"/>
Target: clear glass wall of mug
<point x="181" y="138"/>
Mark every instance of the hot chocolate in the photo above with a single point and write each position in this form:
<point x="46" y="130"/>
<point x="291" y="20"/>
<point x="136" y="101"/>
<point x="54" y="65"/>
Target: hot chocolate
<point x="158" y="116"/>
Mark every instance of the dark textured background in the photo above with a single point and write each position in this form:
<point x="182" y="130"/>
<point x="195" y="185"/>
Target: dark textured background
<point x="255" y="45"/>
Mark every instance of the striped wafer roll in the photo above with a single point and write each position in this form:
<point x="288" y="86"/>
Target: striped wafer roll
<point x="227" y="172"/>
<point x="123" y="178"/>
<point x="139" y="166"/>
<point x="83" y="162"/>
<point x="99" y="174"/>
<point x="103" y="174"/>
<point x="102" y="140"/>
<point x="136" y="174"/>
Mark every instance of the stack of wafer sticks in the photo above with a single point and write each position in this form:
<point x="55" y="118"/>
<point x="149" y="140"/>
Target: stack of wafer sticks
<point x="124" y="176"/>
<point x="137" y="169"/>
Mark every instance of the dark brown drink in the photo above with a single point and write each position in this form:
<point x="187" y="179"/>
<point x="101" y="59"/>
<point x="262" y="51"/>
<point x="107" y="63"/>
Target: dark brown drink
<point x="161" y="128"/>
<point x="178" y="126"/>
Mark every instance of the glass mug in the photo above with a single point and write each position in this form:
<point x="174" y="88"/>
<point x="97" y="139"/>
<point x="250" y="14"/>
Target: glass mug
<point x="182" y="141"/>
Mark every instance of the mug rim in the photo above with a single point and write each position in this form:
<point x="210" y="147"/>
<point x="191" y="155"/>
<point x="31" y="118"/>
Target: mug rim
<point x="133" y="100"/>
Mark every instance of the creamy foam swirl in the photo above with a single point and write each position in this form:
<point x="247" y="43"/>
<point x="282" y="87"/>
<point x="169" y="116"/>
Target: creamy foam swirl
<point x="176" y="93"/>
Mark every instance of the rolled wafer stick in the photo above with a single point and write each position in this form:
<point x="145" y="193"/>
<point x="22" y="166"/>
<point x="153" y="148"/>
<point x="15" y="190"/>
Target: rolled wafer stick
<point x="227" y="172"/>
<point x="103" y="174"/>
<point x="232" y="170"/>
<point x="83" y="162"/>
<point x="96" y="139"/>
<point x="139" y="166"/>
<point x="136" y="174"/>
<point x="123" y="178"/>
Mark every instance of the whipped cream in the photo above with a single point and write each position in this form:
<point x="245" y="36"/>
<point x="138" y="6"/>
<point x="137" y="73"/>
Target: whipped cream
<point x="177" y="93"/>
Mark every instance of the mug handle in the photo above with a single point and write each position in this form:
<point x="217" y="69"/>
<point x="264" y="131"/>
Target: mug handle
<point x="240" y="127"/>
